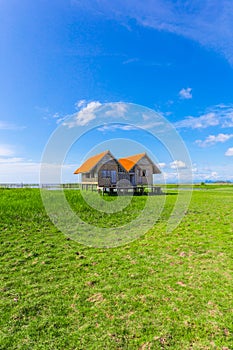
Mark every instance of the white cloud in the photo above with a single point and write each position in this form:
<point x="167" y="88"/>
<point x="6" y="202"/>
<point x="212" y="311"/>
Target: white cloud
<point x="229" y="152"/>
<point x="224" y="114"/>
<point x="161" y="165"/>
<point x="114" y="127"/>
<point x="177" y="164"/>
<point x="214" y="175"/>
<point x="15" y="171"/>
<point x="56" y="115"/>
<point x="171" y="176"/>
<point x="6" y="151"/>
<point x="208" y="22"/>
<point x="7" y="126"/>
<point x="219" y="115"/>
<point x="52" y="173"/>
<point x="10" y="160"/>
<point x="213" y="139"/>
<point x="88" y="112"/>
<point x="194" y="169"/>
<point x="218" y="172"/>
<point x="204" y="121"/>
<point x="4" y="126"/>
<point x="80" y="103"/>
<point x="186" y="94"/>
<point x="131" y="60"/>
<point x="58" y="118"/>
<point x="117" y="109"/>
<point x="161" y="126"/>
<point x="146" y="116"/>
<point x="145" y="63"/>
<point x="85" y="115"/>
<point x="19" y="170"/>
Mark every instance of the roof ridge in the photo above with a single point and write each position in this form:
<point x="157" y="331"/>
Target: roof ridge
<point x="91" y="162"/>
<point x="134" y="155"/>
<point x="129" y="162"/>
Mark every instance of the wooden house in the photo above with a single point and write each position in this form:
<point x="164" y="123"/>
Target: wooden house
<point x="104" y="170"/>
<point x="140" y="169"/>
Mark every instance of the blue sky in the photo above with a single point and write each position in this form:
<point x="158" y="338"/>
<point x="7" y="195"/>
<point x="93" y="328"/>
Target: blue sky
<point x="63" y="58"/>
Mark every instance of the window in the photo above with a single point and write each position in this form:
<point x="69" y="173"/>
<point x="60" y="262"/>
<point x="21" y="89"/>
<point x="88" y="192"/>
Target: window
<point x="120" y="169"/>
<point x="113" y="176"/>
<point x="144" y="172"/>
<point x="104" y="173"/>
<point x="87" y="175"/>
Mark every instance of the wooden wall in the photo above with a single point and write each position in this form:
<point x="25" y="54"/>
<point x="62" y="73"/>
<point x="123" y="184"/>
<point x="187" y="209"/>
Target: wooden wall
<point x="108" y="163"/>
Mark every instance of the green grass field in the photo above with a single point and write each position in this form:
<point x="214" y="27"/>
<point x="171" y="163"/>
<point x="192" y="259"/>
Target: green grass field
<point x="163" y="291"/>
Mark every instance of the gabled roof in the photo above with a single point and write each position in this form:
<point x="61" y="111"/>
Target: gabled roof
<point x="90" y="163"/>
<point x="129" y="162"/>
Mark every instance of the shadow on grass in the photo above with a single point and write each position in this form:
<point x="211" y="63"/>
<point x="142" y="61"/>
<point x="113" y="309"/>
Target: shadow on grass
<point x="170" y="194"/>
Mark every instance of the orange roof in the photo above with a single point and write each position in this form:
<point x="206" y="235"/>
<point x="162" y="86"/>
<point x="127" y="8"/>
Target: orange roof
<point x="130" y="161"/>
<point x="90" y="163"/>
<point x="127" y="163"/>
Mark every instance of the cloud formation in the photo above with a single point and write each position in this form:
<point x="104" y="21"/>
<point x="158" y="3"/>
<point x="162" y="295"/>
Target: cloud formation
<point x="7" y="126"/>
<point x="6" y="151"/>
<point x="229" y="152"/>
<point x="204" y="121"/>
<point x="116" y="109"/>
<point x="161" y="165"/>
<point x="208" y="22"/>
<point x="14" y="160"/>
<point x="114" y="127"/>
<point x="186" y="94"/>
<point x="178" y="164"/>
<point x="85" y="115"/>
<point x="213" y="139"/>
<point x="89" y="111"/>
<point x="220" y="115"/>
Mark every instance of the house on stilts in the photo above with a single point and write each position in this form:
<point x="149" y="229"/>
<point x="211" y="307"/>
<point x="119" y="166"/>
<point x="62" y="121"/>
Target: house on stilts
<point x="106" y="172"/>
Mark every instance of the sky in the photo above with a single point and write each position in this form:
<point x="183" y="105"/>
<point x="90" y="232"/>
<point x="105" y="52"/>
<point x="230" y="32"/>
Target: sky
<point x="64" y="59"/>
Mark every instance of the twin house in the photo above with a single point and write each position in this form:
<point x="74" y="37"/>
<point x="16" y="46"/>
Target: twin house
<point x="104" y="170"/>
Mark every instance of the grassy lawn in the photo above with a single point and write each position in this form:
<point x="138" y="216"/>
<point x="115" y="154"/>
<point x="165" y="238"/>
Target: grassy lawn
<point x="163" y="291"/>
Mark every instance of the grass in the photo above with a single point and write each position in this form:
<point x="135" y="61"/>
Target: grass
<point x="162" y="291"/>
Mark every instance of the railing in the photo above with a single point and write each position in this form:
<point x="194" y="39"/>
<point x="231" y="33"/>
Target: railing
<point x="22" y="185"/>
